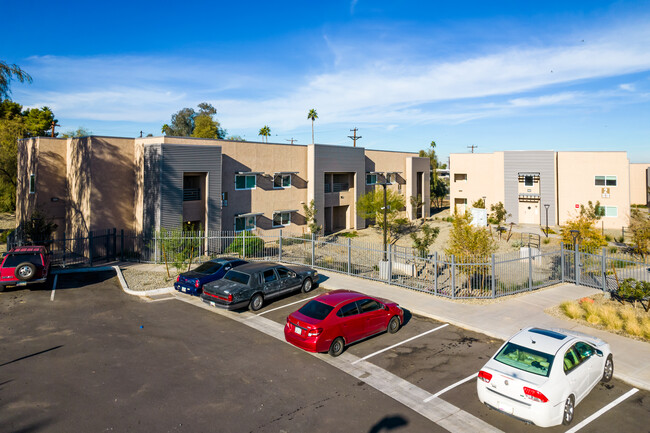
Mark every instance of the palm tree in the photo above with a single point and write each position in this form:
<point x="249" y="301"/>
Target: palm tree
<point x="6" y="71"/>
<point x="265" y="132"/>
<point x="313" y="115"/>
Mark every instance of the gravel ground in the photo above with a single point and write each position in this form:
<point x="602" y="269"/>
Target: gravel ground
<point x="139" y="278"/>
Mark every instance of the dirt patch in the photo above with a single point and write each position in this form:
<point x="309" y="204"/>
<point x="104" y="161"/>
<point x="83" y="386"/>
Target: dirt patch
<point x="140" y="280"/>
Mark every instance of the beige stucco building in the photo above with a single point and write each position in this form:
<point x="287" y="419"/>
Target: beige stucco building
<point x="144" y="184"/>
<point x="532" y="183"/>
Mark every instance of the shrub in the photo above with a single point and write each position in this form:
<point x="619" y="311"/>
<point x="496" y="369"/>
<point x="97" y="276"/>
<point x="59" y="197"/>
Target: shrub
<point x="4" y="235"/>
<point x="645" y="325"/>
<point x="517" y="244"/>
<point x="613" y="250"/>
<point x="633" y="327"/>
<point x="609" y="238"/>
<point x="546" y="241"/>
<point x="352" y="234"/>
<point x="571" y="309"/>
<point x="253" y="245"/>
<point x="591" y="315"/>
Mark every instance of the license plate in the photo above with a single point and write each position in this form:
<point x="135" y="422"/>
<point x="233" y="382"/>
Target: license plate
<point x="297" y="330"/>
<point x="505" y="408"/>
<point x="213" y="304"/>
<point x="22" y="283"/>
<point x="184" y="289"/>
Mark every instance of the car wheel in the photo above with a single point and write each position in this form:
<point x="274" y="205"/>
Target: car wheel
<point x="608" y="371"/>
<point x="307" y="285"/>
<point x="25" y="271"/>
<point x="337" y="347"/>
<point x="256" y="302"/>
<point x="393" y="325"/>
<point x="568" y="411"/>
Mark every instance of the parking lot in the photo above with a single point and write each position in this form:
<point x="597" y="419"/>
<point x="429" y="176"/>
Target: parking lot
<point x="165" y="365"/>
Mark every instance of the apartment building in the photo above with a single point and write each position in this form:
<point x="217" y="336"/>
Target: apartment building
<point x="149" y="183"/>
<point x="537" y="187"/>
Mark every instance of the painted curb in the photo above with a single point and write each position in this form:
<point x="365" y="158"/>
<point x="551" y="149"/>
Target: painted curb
<point x="125" y="286"/>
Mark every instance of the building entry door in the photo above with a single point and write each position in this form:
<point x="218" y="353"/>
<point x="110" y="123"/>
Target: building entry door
<point x="529" y="213"/>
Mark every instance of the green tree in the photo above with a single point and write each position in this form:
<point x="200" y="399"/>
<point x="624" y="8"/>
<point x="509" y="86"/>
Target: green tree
<point x="499" y="214"/>
<point x="39" y="228"/>
<point x="640" y="228"/>
<point x="265" y="132"/>
<point x="7" y="74"/>
<point x="438" y="186"/>
<point x="235" y="138"/>
<point x="190" y="123"/>
<point x="312" y="115"/>
<point x="310" y="216"/>
<point x="371" y="206"/>
<point x="585" y="223"/>
<point x="479" y="204"/>
<point x="38" y="122"/>
<point x="79" y="132"/>
<point x="417" y="203"/>
<point x="429" y="235"/>
<point x="466" y="240"/>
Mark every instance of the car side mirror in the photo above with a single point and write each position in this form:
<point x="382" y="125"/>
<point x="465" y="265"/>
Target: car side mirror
<point x="599" y="353"/>
<point x="385" y="307"/>
<point x="293" y="275"/>
<point x="227" y="268"/>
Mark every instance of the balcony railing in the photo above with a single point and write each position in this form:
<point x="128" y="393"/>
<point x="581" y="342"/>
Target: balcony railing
<point x="191" y="194"/>
<point x="337" y="187"/>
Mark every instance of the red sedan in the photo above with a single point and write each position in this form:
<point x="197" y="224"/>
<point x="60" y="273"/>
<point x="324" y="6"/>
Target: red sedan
<point x="333" y="320"/>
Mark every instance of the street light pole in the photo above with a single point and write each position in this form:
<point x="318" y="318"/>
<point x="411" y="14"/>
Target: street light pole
<point x="546" y="206"/>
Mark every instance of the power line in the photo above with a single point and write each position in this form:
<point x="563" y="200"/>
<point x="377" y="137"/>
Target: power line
<point x="472" y="147"/>
<point x="354" y="137"/>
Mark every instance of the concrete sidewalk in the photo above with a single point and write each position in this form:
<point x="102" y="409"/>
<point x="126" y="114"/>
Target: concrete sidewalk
<point x="503" y="318"/>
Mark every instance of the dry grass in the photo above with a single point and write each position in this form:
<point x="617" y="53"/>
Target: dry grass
<point x="571" y="309"/>
<point x="608" y="315"/>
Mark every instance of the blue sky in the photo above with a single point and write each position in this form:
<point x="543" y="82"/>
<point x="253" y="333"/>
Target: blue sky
<point x="517" y="75"/>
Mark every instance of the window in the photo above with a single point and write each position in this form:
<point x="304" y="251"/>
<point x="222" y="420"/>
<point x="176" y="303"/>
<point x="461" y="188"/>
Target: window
<point x="371" y="179"/>
<point x="245" y="223"/>
<point x="526" y="359"/>
<point x="348" y="310"/>
<point x="316" y="310"/>
<point x="269" y="276"/>
<point x="282" y="181"/>
<point x="237" y="277"/>
<point x="281" y="219"/>
<point x="367" y="305"/>
<point x="32" y="183"/>
<point x="245" y="181"/>
<point x="460" y="177"/>
<point x="283" y="272"/>
<point x="572" y="358"/>
<point x="224" y="199"/>
<point x="611" y="211"/>
<point x="605" y="181"/>
<point x="528" y="180"/>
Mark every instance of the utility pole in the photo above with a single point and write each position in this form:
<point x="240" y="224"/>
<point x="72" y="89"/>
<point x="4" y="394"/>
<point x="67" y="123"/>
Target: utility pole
<point x="140" y="134"/>
<point x="54" y="125"/>
<point x="354" y="137"/>
<point x="472" y="147"/>
<point x="291" y="140"/>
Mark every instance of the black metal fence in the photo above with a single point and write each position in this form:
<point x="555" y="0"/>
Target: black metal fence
<point x="450" y="276"/>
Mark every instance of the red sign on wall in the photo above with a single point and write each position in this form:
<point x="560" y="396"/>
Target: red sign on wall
<point x="577" y="206"/>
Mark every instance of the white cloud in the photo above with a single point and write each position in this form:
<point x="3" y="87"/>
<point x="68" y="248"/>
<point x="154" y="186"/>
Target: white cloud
<point x="628" y="86"/>
<point x="379" y="91"/>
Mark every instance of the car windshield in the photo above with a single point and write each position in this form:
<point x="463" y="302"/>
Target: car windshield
<point x="316" y="310"/>
<point x="237" y="277"/>
<point x="526" y="359"/>
<point x="208" y="268"/>
<point x="14" y="260"/>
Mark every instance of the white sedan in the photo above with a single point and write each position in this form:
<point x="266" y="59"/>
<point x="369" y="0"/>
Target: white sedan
<point x="540" y="375"/>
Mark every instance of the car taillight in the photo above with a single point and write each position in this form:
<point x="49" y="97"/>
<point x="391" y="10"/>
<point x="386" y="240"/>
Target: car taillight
<point x="314" y="332"/>
<point x="197" y="284"/>
<point x="484" y="376"/>
<point x="229" y="297"/>
<point x="535" y="395"/>
<point x="178" y="278"/>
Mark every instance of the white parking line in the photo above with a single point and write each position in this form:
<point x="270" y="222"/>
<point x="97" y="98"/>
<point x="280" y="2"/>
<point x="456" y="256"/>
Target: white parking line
<point x="439" y="393"/>
<point x="395" y="345"/>
<point x="56" y="277"/>
<point x="293" y="303"/>
<point x="603" y="410"/>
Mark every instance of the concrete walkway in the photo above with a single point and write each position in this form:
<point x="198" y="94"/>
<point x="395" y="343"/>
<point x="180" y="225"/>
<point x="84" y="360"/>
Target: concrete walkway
<point x="504" y="317"/>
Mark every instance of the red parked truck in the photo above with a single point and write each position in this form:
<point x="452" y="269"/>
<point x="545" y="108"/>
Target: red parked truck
<point x="24" y="265"/>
